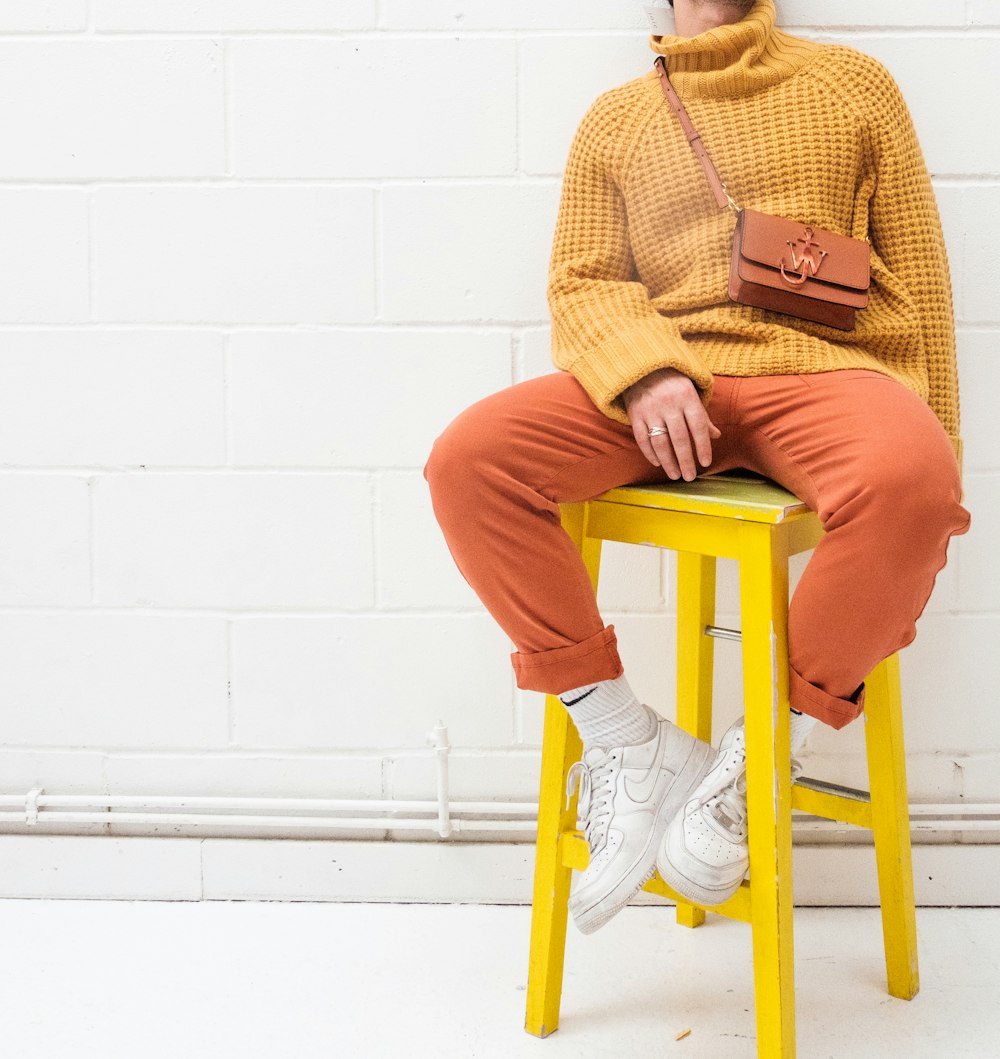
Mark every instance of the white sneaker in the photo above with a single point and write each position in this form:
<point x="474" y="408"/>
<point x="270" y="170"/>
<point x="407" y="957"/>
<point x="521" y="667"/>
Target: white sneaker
<point x="704" y="854"/>
<point x="628" y="795"/>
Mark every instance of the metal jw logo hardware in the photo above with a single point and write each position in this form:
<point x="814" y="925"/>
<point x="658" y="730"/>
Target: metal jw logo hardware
<point x="805" y="264"/>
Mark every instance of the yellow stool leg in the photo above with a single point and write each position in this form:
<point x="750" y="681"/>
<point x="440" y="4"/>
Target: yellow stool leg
<point x="764" y="612"/>
<point x="561" y="747"/>
<point x="891" y="826"/>
<point x="695" y="657"/>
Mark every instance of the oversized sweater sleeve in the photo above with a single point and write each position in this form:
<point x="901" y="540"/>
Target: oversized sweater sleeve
<point x="906" y="233"/>
<point x="605" y="329"/>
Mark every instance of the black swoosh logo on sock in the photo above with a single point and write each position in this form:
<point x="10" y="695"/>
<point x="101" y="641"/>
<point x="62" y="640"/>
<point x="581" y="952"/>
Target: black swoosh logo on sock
<point x="573" y="702"/>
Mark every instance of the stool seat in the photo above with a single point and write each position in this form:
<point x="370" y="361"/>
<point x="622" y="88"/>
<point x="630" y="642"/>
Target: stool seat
<point x="742" y="516"/>
<point x="745" y="496"/>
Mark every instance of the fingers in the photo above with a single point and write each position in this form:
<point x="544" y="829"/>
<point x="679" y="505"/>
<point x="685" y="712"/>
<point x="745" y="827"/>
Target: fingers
<point x="664" y="448"/>
<point x="702" y="431"/>
<point x="657" y="449"/>
<point x="645" y="442"/>
<point x="673" y="404"/>
<point x="680" y="438"/>
<point x="689" y="436"/>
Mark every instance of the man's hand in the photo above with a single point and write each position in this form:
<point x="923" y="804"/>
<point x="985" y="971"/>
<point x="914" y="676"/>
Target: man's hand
<point x="667" y="398"/>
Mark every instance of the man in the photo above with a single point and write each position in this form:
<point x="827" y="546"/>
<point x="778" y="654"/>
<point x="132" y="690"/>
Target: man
<point x="663" y="377"/>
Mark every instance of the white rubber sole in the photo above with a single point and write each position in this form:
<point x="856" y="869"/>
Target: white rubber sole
<point x="680" y="871"/>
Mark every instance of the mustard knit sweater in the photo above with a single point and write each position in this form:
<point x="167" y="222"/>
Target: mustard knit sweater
<point x="815" y="132"/>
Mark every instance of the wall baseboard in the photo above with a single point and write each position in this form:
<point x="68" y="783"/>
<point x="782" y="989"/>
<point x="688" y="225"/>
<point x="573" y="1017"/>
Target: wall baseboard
<point x="255" y="869"/>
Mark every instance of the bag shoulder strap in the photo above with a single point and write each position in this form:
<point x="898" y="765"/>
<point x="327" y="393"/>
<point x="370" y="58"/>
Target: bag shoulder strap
<point x="722" y="196"/>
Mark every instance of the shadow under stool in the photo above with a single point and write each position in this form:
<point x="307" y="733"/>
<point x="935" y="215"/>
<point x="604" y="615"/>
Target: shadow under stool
<point x="756" y="522"/>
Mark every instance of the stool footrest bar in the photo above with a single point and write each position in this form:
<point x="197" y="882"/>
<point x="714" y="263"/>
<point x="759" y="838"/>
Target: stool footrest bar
<point x="824" y="787"/>
<point x="573" y="851"/>
<point x="737" y="907"/>
<point x="814" y="798"/>
<point x="723" y="634"/>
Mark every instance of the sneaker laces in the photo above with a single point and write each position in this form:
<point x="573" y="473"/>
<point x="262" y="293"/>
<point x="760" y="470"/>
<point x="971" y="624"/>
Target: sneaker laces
<point x="596" y="790"/>
<point x="728" y="808"/>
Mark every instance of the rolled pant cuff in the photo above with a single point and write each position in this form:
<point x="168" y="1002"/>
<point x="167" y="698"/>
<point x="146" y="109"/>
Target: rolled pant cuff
<point x="807" y="698"/>
<point x="562" y="668"/>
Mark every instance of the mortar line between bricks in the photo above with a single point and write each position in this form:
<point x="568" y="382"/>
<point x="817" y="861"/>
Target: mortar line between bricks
<point x="134" y="470"/>
<point x="218" y="471"/>
<point x="368" y="35"/>
<point x="374" y="754"/>
<point x="269" y="471"/>
<point x="228" y="448"/>
<point x="517" y="106"/>
<point x="367" y="753"/>
<point x="334" y="183"/>
<point x="91" y="252"/>
<point x="377" y="268"/>
<point x="236" y="614"/>
<point x="384" y="327"/>
<point x="402" y="34"/>
<point x="227" y="105"/>
<point x="290" y="328"/>
<point x="231" y="733"/>
<point x="91" y="540"/>
<point x="374" y="513"/>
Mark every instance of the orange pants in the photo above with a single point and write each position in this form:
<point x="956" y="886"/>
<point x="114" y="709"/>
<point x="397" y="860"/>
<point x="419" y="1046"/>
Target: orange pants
<point x="862" y="450"/>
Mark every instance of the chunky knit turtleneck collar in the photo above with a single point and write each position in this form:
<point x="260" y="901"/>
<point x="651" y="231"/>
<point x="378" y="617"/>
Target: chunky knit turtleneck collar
<point x="735" y="59"/>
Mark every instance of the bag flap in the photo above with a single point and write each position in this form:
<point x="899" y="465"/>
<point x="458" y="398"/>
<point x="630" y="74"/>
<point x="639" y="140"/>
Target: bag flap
<point x="775" y="241"/>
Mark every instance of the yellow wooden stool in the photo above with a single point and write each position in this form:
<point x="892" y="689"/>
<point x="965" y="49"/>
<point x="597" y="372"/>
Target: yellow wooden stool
<point x="750" y="519"/>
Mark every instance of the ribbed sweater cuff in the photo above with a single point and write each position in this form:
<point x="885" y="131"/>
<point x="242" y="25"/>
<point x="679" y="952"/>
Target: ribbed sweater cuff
<point x="631" y="354"/>
<point x="956" y="444"/>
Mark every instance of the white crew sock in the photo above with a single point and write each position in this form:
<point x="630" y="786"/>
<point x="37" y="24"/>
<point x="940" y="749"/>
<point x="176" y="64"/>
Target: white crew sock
<point x="608" y="714"/>
<point x="800" y="725"/>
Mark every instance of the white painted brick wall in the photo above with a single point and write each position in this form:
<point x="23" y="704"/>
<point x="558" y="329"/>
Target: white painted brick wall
<point x="233" y="541"/>
<point x="255" y="256"/>
<point x="120" y="680"/>
<point x="466" y="253"/>
<point x="232" y="253"/>
<point x="44" y="269"/>
<point x="128" y="109"/>
<point x="366" y="108"/>
<point x="304" y="399"/>
<point x="558" y="77"/>
<point x="45" y="559"/>
<point x="85" y="397"/>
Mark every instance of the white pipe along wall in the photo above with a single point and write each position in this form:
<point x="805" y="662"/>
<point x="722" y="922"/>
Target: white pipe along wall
<point x="37" y="809"/>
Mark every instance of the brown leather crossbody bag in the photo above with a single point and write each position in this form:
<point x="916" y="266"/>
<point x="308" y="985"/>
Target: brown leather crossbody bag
<point x="787" y="266"/>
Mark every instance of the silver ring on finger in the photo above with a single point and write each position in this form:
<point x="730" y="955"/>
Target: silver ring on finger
<point x="657" y="431"/>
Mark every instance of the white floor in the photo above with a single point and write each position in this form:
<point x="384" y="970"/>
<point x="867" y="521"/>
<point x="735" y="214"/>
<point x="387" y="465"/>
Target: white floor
<point x="248" y="980"/>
